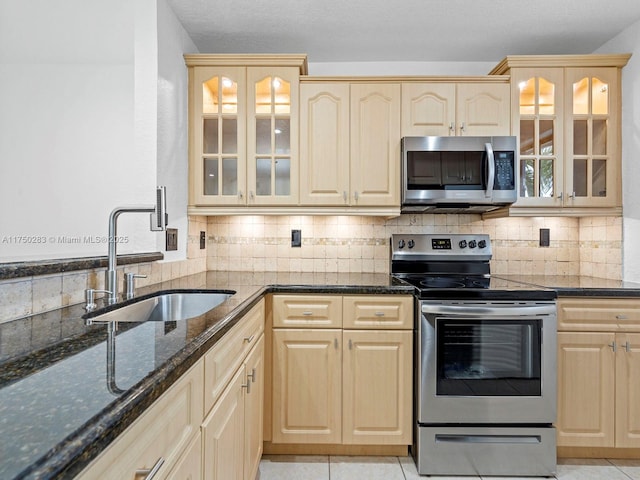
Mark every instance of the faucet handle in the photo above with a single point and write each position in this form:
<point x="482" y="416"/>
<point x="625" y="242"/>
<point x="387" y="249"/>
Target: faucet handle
<point x="89" y="295"/>
<point x="129" y="280"/>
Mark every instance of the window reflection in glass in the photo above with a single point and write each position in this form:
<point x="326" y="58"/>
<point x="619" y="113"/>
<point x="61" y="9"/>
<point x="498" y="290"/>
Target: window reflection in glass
<point x="527" y="178"/>
<point x="546" y="177"/>
<point x="546" y="137"/>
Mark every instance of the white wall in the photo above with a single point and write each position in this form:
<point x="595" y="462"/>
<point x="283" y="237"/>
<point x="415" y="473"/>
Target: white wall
<point x="400" y="68"/>
<point x="628" y="41"/>
<point x="93" y="116"/>
<point x="172" y="121"/>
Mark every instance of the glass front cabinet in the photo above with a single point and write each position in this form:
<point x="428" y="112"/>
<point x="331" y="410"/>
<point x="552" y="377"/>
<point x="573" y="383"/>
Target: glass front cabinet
<point x="243" y="140"/>
<point x="566" y="113"/>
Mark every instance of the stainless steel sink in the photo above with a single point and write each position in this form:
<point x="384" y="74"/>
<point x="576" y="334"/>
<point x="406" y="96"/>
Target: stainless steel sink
<point x="167" y="307"/>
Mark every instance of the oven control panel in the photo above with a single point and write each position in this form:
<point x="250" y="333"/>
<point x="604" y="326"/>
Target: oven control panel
<point x="441" y="245"/>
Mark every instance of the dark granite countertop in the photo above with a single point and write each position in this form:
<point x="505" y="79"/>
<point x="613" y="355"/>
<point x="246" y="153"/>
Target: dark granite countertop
<point x="60" y="403"/>
<point x="579" y="286"/>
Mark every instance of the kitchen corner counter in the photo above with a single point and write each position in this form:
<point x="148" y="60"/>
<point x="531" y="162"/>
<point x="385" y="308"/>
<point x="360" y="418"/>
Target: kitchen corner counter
<point x="579" y="286"/>
<point x="58" y="410"/>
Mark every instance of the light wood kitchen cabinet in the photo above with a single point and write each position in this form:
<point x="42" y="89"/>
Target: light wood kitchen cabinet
<point x="566" y="113"/>
<point x="598" y="367"/>
<point x="159" y="437"/>
<point x="243" y="130"/>
<point x="344" y="386"/>
<point x="232" y="431"/>
<point x="350" y="137"/>
<point x="480" y="108"/>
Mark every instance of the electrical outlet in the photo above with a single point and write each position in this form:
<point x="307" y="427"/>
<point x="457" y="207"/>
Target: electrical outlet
<point x="172" y="239"/>
<point x="296" y="238"/>
<point x="544" y="237"/>
<point x="203" y="240"/>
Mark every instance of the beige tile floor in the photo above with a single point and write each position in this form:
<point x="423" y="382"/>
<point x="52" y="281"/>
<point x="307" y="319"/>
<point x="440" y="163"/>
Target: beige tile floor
<point x="287" y="467"/>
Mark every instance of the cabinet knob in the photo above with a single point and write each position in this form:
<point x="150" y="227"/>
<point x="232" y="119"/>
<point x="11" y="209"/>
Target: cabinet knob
<point x="240" y="195"/>
<point x="613" y="346"/>
<point x="560" y="196"/>
<point x="462" y="127"/>
<point x="627" y="347"/>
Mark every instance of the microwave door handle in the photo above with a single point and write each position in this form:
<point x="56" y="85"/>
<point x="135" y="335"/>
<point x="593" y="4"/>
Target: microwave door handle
<point x="491" y="175"/>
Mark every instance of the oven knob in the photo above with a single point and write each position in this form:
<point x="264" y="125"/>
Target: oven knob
<point x="411" y="244"/>
<point x="472" y="244"/>
<point x="482" y="244"/>
<point x="401" y="244"/>
<point x="462" y="244"/>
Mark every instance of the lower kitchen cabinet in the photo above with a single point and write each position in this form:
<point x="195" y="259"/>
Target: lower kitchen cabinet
<point x="345" y="386"/>
<point x="208" y="425"/>
<point x="232" y="431"/>
<point x="159" y="437"/>
<point x="598" y="372"/>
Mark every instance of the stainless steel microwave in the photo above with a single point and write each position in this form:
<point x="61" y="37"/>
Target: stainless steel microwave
<point x="458" y="174"/>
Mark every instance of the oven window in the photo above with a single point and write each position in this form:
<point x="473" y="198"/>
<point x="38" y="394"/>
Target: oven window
<point x="488" y="357"/>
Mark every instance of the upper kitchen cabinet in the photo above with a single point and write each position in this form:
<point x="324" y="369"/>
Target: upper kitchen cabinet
<point x="350" y="146"/>
<point x="476" y="106"/>
<point x="243" y="130"/>
<point x="566" y="113"/>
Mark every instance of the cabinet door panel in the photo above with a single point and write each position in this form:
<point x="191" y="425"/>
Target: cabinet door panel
<point x="586" y="381"/>
<point x="628" y="390"/>
<point x="324" y="142"/>
<point x="375" y="144"/>
<point x="223" y="434"/>
<point x="377" y="387"/>
<point x="307" y="396"/>
<point x="483" y="109"/>
<point x="253" y="409"/>
<point x="428" y="109"/>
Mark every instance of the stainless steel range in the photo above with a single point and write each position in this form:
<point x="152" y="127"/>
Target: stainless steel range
<point x="485" y="361"/>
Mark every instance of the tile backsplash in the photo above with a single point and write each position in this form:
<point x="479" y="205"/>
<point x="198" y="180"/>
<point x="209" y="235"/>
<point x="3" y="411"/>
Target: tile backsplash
<point x="578" y="246"/>
<point x="589" y="246"/>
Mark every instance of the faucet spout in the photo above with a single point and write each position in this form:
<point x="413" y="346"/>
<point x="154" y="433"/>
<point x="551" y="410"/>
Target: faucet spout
<point x="158" y="223"/>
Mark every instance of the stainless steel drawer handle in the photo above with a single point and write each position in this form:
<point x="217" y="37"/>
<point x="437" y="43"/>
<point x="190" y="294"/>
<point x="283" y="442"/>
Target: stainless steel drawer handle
<point x="621" y="317"/>
<point x="627" y="347"/>
<point x="307" y="313"/>
<point x="487" y="439"/>
<point x="613" y="346"/>
<point x="247" y="386"/>
<point x="252" y="375"/>
<point x="249" y="339"/>
<point x="379" y="314"/>
<point x="149" y="473"/>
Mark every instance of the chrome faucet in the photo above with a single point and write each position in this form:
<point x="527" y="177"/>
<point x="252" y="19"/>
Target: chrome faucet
<point x="159" y="221"/>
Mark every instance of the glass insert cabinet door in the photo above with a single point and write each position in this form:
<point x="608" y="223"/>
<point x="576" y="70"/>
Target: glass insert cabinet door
<point x="219" y="119"/>
<point x="590" y="148"/>
<point x="272" y="129"/>
<point x="539" y="119"/>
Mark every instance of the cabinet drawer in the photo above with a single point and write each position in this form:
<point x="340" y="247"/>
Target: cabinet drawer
<point x="223" y="360"/>
<point x="602" y="314"/>
<point x="162" y="433"/>
<point x="379" y="312"/>
<point x="313" y="311"/>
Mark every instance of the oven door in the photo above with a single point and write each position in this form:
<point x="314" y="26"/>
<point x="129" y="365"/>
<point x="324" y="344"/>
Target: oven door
<point x="487" y="363"/>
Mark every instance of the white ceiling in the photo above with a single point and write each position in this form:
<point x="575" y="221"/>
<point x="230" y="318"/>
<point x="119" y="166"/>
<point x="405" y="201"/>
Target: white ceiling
<point x="404" y="30"/>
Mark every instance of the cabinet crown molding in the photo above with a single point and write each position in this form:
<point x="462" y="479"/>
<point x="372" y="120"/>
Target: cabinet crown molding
<point x="248" y="60"/>
<point x="539" y="61"/>
<point x="407" y="79"/>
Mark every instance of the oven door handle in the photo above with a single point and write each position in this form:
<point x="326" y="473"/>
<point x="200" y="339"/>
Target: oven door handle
<point x="510" y="310"/>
